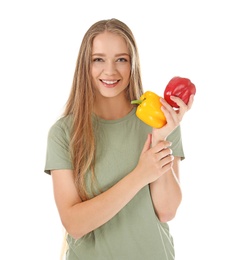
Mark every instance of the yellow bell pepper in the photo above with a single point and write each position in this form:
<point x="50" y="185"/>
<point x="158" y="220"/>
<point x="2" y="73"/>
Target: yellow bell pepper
<point x="149" y="110"/>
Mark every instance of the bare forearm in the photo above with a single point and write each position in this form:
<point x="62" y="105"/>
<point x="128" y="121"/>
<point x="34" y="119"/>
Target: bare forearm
<point x="166" y="195"/>
<point x="91" y="214"/>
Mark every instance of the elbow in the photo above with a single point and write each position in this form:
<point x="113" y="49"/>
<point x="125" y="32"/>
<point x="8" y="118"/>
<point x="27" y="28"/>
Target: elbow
<point x="169" y="212"/>
<point x="165" y="217"/>
<point x="72" y="230"/>
<point x="75" y="235"/>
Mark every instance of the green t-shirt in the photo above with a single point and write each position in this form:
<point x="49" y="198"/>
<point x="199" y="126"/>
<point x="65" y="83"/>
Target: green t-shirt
<point x="135" y="233"/>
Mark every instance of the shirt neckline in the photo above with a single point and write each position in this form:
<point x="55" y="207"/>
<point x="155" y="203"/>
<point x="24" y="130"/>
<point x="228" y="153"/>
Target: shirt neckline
<point x="126" y="117"/>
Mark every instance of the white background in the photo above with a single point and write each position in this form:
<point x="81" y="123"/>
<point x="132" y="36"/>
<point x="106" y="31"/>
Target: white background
<point x="195" y="39"/>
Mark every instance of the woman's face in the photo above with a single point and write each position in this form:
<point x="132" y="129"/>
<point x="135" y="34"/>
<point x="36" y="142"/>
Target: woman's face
<point x="111" y="65"/>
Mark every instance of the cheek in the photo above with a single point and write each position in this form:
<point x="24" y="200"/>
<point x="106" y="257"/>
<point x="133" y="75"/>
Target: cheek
<point x="128" y="75"/>
<point x="125" y="71"/>
<point x="96" y="69"/>
<point x="93" y="72"/>
<point x="93" y="76"/>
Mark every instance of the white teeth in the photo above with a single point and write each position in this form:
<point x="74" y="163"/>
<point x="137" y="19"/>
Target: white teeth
<point x="109" y="81"/>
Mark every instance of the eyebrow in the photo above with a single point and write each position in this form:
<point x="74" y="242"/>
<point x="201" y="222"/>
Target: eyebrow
<point x="117" y="55"/>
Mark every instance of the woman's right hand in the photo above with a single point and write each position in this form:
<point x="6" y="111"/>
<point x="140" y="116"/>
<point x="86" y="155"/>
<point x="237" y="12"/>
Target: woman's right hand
<point x="154" y="161"/>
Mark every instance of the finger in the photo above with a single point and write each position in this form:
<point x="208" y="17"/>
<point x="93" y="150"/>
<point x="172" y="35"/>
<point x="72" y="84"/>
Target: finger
<point x="190" y="102"/>
<point x="167" y="164"/>
<point x="164" y="153"/>
<point x="183" y="108"/>
<point x="165" y="103"/>
<point x="181" y="103"/>
<point x="168" y="107"/>
<point x="170" y="114"/>
<point x="161" y="146"/>
<point x="178" y="101"/>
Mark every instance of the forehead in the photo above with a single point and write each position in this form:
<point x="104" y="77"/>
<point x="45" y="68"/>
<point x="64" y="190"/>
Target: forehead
<point x="108" y="42"/>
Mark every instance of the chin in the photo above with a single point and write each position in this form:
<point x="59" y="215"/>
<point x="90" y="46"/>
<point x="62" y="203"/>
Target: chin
<point x="111" y="93"/>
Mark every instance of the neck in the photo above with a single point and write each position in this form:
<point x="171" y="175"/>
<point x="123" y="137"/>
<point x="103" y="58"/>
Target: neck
<point x="112" y="108"/>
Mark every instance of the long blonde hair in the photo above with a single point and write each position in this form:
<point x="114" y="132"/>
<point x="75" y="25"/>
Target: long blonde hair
<point x="81" y="98"/>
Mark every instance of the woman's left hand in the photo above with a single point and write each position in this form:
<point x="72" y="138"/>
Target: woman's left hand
<point x="173" y="117"/>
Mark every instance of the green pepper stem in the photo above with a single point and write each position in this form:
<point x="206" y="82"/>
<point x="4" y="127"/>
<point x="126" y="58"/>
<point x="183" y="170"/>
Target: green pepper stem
<point x="136" y="102"/>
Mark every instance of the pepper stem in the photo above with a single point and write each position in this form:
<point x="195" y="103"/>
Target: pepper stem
<point x="136" y="102"/>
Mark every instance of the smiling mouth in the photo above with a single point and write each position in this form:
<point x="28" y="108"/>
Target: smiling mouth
<point x="109" y="82"/>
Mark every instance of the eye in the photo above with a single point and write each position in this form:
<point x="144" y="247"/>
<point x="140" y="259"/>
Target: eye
<point x="122" y="60"/>
<point x="98" y="60"/>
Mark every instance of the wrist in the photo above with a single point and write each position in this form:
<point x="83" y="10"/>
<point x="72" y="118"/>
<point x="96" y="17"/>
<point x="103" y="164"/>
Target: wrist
<point x="157" y="139"/>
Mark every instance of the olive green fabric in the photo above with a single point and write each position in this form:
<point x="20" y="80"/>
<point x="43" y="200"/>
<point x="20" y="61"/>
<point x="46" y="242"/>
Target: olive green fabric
<point x="135" y="233"/>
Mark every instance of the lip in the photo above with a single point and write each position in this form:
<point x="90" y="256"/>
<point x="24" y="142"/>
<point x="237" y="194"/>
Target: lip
<point x="109" y="83"/>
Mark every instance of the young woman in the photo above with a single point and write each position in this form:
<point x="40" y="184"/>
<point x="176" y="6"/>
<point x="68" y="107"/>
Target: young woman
<point x="115" y="179"/>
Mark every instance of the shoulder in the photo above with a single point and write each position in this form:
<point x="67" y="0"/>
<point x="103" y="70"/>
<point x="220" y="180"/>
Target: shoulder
<point x="62" y="126"/>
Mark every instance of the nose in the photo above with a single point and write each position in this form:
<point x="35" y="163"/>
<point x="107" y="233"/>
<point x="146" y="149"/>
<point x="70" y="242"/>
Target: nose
<point x="110" y="68"/>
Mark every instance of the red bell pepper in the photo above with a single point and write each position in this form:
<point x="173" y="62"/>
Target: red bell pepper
<point x="179" y="87"/>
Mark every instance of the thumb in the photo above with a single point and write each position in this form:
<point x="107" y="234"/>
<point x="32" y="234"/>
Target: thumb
<point x="147" y="144"/>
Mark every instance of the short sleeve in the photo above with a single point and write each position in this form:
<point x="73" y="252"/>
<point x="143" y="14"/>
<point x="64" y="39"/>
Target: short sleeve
<point x="58" y="153"/>
<point x="176" y="139"/>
